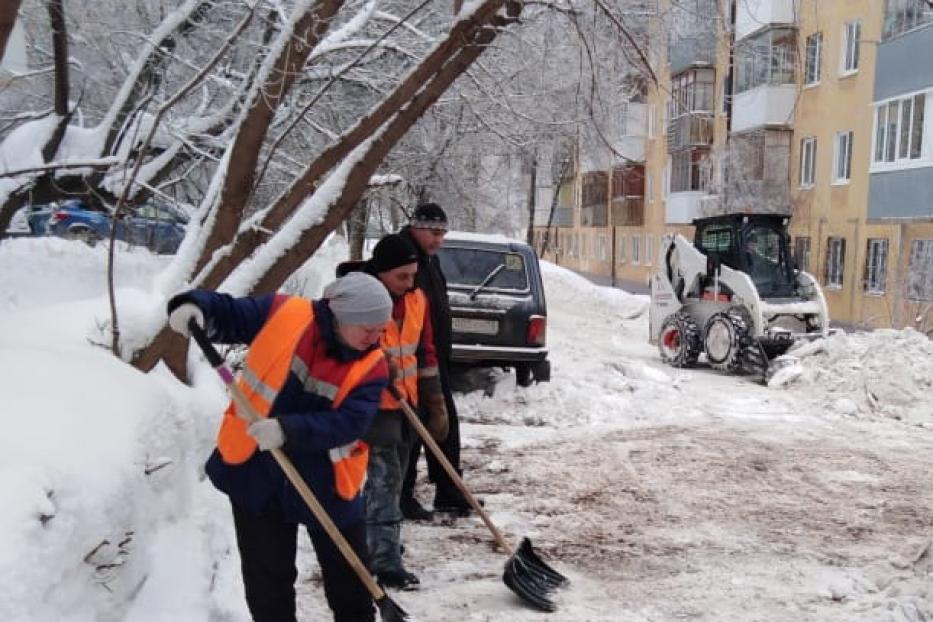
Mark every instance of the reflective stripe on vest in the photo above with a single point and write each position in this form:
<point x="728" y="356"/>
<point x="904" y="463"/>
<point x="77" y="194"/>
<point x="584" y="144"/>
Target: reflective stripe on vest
<point x="402" y="346"/>
<point x="265" y="372"/>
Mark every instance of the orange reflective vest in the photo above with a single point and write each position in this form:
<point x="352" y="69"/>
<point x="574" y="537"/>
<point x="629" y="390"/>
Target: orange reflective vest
<point x="400" y="343"/>
<point x="265" y="371"/>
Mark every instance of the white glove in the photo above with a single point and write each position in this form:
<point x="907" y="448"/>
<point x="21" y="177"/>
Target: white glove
<point x="179" y="318"/>
<point x="268" y="433"/>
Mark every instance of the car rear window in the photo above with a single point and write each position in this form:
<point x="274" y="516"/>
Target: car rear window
<point x="469" y="267"/>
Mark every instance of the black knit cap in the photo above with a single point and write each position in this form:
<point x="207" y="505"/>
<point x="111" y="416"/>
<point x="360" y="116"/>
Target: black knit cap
<point x="429" y="216"/>
<point x="391" y="252"/>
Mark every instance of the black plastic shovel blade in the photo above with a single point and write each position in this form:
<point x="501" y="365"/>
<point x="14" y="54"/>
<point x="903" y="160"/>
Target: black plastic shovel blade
<point x="530" y="578"/>
<point x="533" y="560"/>
<point x="389" y="610"/>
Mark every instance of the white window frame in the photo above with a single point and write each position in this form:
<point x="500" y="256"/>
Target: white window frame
<point x="851" y="48"/>
<point x="803" y="259"/>
<point x="601" y="246"/>
<point x="814" y="60"/>
<point x="636" y="249"/>
<point x="919" y="150"/>
<point x="620" y="250"/>
<point x="807" y="162"/>
<point x="920" y="277"/>
<point x="876" y="265"/>
<point x="835" y="269"/>
<point x="842" y="158"/>
<point x="648" y="249"/>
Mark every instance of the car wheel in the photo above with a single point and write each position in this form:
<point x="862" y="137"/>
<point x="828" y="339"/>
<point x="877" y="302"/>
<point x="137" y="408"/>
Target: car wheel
<point x="82" y="233"/>
<point x="542" y="371"/>
<point x="523" y="375"/>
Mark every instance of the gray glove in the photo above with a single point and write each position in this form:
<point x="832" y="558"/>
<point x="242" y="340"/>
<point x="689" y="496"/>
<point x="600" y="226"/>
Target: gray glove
<point x="178" y="319"/>
<point x="268" y="433"/>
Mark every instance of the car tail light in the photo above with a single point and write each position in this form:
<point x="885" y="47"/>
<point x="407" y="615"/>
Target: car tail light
<point x="59" y="216"/>
<point x="537" y="329"/>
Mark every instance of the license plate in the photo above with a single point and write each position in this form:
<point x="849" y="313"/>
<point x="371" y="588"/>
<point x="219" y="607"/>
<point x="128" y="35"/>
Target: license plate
<point x="472" y="325"/>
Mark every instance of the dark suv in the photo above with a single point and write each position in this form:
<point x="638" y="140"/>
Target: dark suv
<point x="497" y="303"/>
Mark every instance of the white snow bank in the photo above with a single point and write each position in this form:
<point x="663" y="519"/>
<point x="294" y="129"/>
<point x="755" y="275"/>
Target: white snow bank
<point x="887" y="373"/>
<point x="563" y="285"/>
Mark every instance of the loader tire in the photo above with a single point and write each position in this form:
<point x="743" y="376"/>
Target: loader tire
<point x="724" y="339"/>
<point x="679" y="343"/>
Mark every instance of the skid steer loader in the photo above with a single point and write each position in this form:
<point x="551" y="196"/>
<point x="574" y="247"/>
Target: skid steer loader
<point x="734" y="294"/>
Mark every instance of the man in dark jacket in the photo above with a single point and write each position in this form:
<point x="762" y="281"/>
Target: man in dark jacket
<point x="320" y="389"/>
<point x="426" y="231"/>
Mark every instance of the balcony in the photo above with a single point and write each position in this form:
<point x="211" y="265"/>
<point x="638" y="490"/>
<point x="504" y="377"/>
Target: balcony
<point x="753" y="15"/>
<point x="764" y="106"/>
<point x="682" y="207"/>
<point x="690" y="130"/>
<point x="628" y="212"/>
<point x="563" y="217"/>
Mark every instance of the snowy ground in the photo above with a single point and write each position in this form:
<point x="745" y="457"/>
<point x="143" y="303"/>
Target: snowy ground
<point x="664" y="494"/>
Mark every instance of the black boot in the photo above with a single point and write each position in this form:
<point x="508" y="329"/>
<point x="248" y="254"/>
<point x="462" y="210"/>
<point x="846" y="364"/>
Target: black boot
<point x="399" y="579"/>
<point x="452" y="501"/>
<point x="412" y="510"/>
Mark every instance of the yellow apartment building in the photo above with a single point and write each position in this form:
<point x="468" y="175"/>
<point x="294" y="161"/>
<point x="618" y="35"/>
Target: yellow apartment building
<point x="819" y="110"/>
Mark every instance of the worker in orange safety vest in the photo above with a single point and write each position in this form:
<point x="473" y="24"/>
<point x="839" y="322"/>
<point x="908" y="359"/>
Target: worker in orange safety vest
<point x="315" y="372"/>
<point x="408" y="342"/>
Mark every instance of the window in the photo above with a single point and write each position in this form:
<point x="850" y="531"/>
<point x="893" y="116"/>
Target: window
<point x="876" y="262"/>
<point x="807" y="162"/>
<point x="601" y="247"/>
<point x="469" y="267"/>
<point x="725" y="97"/>
<point x="648" y="249"/>
<point x="920" y="270"/>
<point x="689" y="170"/>
<point x="802" y="253"/>
<point x="620" y="249"/>
<point x="850" y="46"/>
<point x="899" y="129"/>
<point x="842" y="158"/>
<point x="766" y="58"/>
<point x="903" y="15"/>
<point x="649" y="182"/>
<point x="814" y="58"/>
<point x="835" y="262"/>
<point x="636" y="249"/>
<point x="692" y="91"/>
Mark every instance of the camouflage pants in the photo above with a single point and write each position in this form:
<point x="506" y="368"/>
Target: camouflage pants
<point x="387" y="466"/>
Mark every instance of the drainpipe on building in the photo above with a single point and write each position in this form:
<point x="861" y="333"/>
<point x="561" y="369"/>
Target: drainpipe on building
<point x="612" y="229"/>
<point x="855" y="279"/>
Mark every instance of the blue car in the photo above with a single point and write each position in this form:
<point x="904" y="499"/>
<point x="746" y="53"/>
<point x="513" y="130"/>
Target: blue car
<point x="157" y="227"/>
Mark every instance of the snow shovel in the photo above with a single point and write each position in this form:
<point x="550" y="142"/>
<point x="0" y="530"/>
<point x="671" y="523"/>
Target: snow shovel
<point x="389" y="610"/>
<point x="525" y="573"/>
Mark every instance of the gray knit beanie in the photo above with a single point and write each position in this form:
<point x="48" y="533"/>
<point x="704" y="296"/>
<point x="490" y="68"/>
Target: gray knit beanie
<point x="359" y="298"/>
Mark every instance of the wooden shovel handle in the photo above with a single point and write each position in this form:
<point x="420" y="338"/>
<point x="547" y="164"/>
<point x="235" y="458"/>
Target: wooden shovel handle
<point x="422" y="431"/>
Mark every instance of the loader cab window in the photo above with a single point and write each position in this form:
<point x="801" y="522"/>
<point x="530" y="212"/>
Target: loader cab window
<point x="766" y="260"/>
<point x="719" y="241"/>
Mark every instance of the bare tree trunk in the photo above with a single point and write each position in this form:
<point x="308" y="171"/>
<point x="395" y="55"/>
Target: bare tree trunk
<point x="356" y="183"/>
<point x="8" y="11"/>
<point x="248" y="240"/>
<point x="60" y="47"/>
<point x="424" y="85"/>
<point x="356" y="229"/>
<point x="244" y="154"/>
<point x="43" y="185"/>
<point x="532" y="198"/>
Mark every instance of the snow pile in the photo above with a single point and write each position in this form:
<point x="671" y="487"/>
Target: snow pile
<point x="886" y="373"/>
<point x="565" y="286"/>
